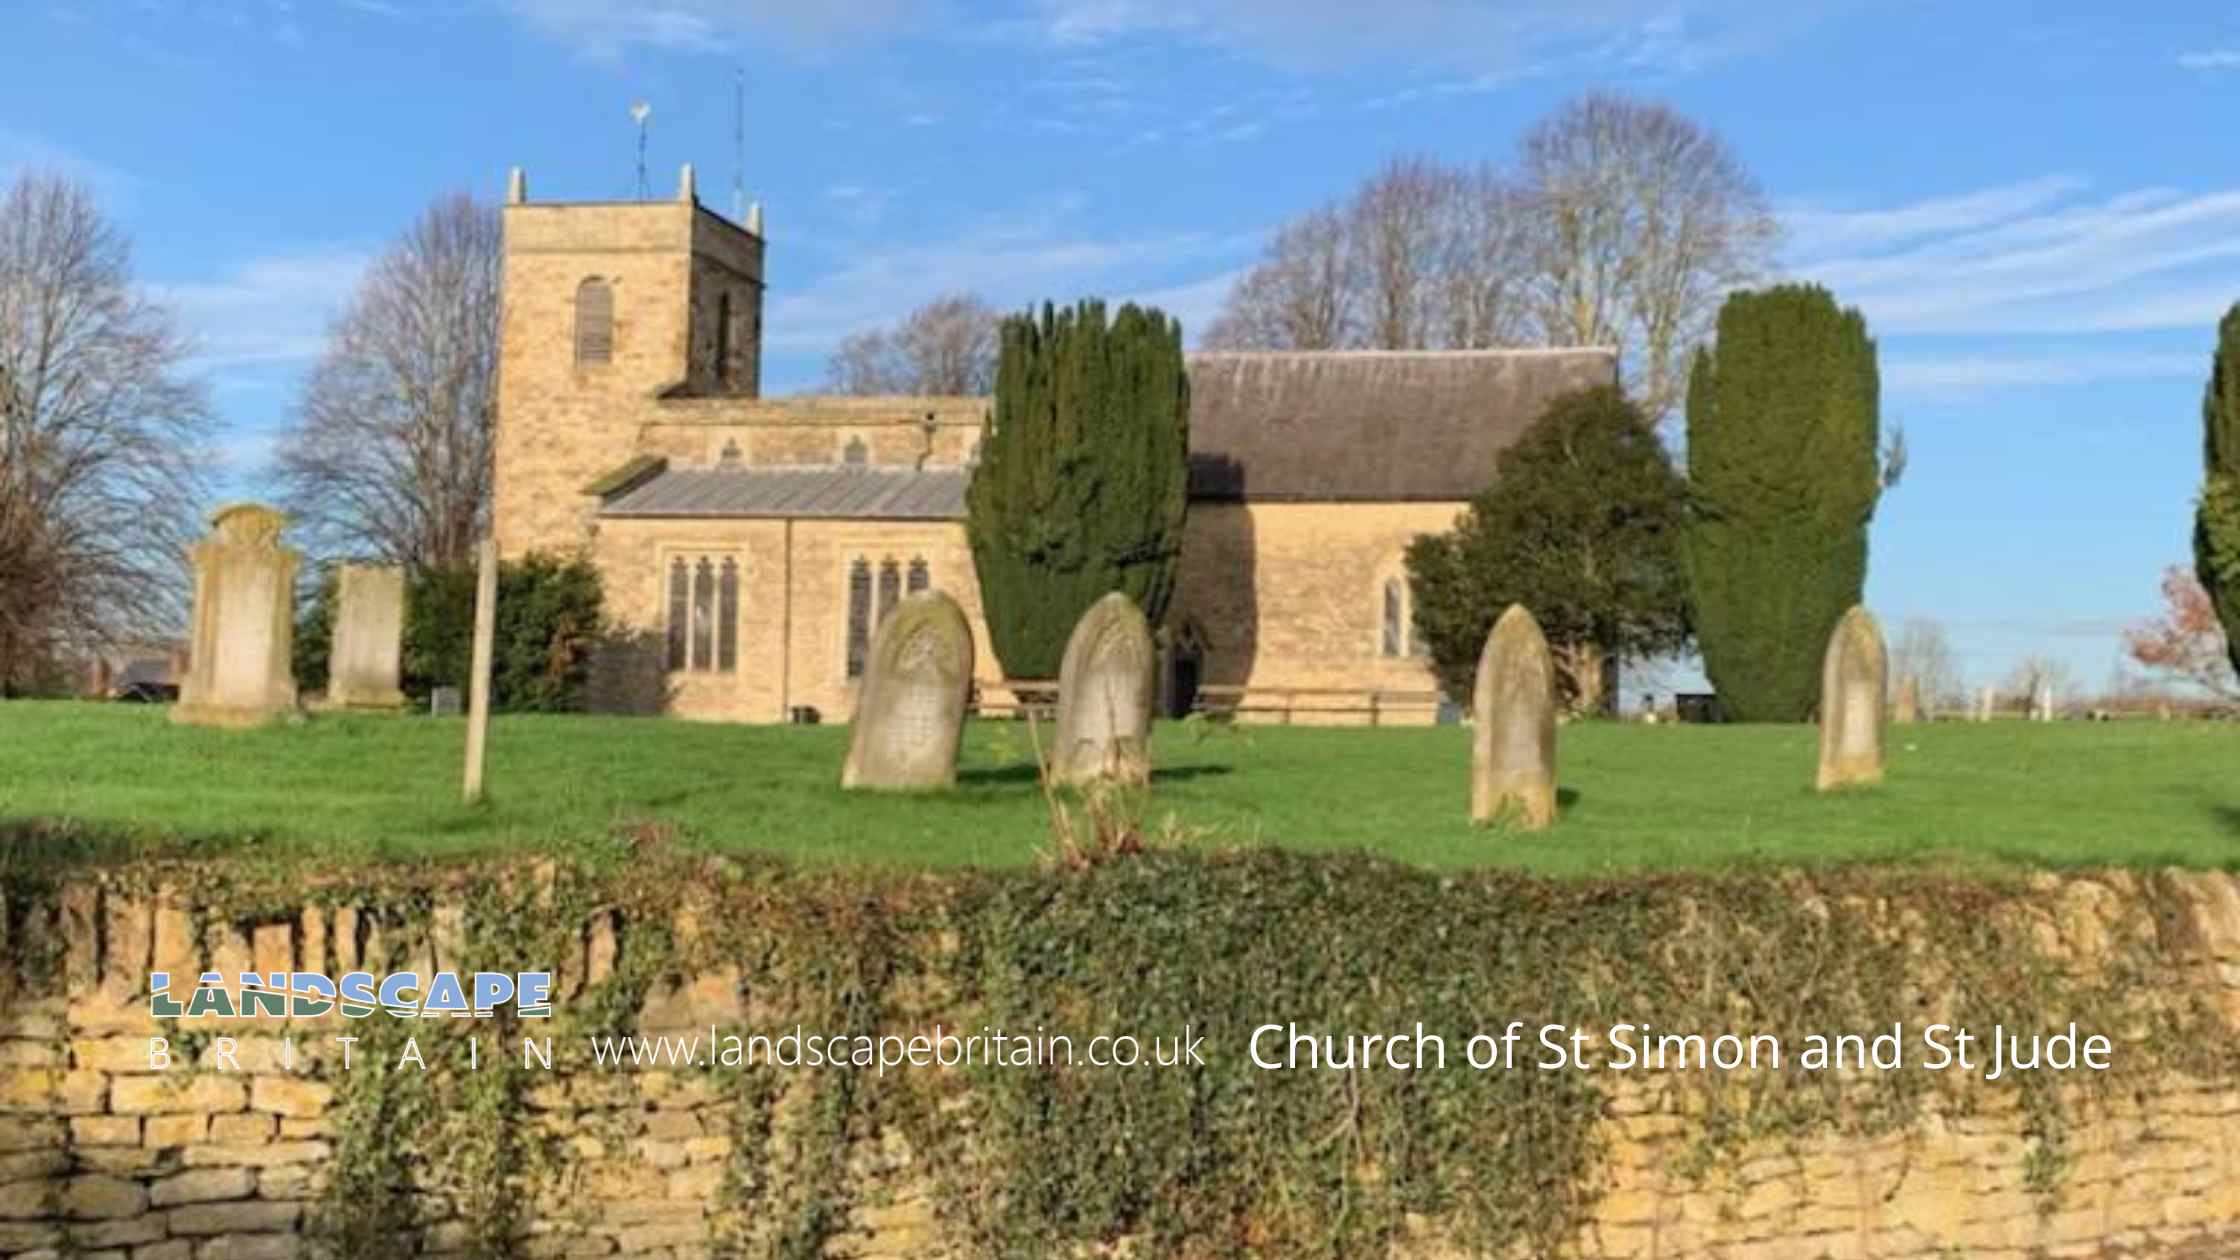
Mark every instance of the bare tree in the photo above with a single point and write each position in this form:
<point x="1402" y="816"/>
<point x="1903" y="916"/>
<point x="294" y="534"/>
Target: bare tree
<point x="1924" y="654"/>
<point x="1624" y="226"/>
<point x="945" y="347"/>
<point x="1422" y="256"/>
<point x="1641" y="221"/>
<point x="389" y="453"/>
<point x="104" y="443"/>
<point x="2035" y="673"/>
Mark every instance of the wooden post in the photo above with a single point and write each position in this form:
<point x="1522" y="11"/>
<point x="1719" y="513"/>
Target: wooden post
<point x="485" y="630"/>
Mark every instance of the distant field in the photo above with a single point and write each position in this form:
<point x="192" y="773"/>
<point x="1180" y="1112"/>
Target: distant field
<point x="1637" y="798"/>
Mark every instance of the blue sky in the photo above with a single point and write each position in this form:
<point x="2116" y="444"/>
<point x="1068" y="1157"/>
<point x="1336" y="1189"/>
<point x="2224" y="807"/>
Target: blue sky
<point x="2034" y="202"/>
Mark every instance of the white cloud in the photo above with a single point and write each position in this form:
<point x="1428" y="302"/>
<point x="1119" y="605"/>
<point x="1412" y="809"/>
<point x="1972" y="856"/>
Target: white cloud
<point x="272" y="310"/>
<point x="2032" y="257"/>
<point x="1195" y="303"/>
<point x="21" y="153"/>
<point x="2214" y="59"/>
<point x="1025" y="256"/>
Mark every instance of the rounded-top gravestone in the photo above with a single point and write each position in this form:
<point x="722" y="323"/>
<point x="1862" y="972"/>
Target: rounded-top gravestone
<point x="1106" y="692"/>
<point x="1854" y="686"/>
<point x="909" y="716"/>
<point x="1513" y="745"/>
<point x="240" y="669"/>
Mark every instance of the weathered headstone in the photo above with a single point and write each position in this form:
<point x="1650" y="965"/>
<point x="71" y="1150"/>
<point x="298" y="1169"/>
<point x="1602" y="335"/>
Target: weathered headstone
<point x="1106" y="687"/>
<point x="241" y="672"/>
<point x="365" y="662"/>
<point x="1908" y="708"/>
<point x="2044" y="705"/>
<point x="1984" y="701"/>
<point x="1513" y="744"/>
<point x="909" y="714"/>
<point x="1854" y="684"/>
<point x="444" y="702"/>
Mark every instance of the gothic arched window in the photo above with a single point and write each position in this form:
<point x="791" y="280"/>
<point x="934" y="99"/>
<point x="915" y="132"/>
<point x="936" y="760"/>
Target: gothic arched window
<point x="727" y="617"/>
<point x="594" y="321"/>
<point x="856" y="455"/>
<point x="920" y="576"/>
<point x="890" y="589"/>
<point x="859" y="617"/>
<point x="680" y="615"/>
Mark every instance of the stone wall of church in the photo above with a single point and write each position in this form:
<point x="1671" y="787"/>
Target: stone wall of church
<point x="1292" y="595"/>
<point x="793" y="610"/>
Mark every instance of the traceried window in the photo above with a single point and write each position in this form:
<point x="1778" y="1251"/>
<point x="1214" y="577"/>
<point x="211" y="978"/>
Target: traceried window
<point x="920" y="576"/>
<point x="594" y="321"/>
<point x="859" y="616"/>
<point x="703" y="630"/>
<point x="855" y="454"/>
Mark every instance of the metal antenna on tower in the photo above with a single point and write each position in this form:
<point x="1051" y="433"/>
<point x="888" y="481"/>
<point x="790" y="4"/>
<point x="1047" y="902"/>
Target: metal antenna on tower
<point x="639" y="112"/>
<point x="739" y="146"/>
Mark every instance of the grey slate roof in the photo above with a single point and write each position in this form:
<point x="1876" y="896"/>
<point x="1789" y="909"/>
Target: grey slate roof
<point x="856" y="493"/>
<point x="1369" y="424"/>
<point x="1328" y="426"/>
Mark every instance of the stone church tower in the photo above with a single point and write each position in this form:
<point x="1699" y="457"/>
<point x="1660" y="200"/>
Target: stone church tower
<point x="610" y="306"/>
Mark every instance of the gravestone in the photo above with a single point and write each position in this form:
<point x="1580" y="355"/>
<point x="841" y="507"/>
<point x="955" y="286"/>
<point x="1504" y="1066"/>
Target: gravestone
<point x="1854" y="685"/>
<point x="1106" y="689"/>
<point x="366" y="660"/>
<point x="444" y="702"/>
<point x="240" y="671"/>
<point x="1983" y="705"/>
<point x="1908" y="708"/>
<point x="1513" y="744"/>
<point x="909" y="715"/>
<point x="2044" y="706"/>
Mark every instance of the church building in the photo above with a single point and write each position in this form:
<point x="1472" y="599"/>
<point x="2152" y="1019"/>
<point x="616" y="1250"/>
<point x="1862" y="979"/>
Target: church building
<point x="749" y="546"/>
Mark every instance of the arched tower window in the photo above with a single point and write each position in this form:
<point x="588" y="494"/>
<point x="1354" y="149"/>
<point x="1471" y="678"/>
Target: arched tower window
<point x="594" y="321"/>
<point x="856" y="454"/>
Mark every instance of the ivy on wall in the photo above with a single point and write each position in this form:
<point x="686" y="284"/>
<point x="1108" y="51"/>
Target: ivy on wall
<point x="1225" y="1160"/>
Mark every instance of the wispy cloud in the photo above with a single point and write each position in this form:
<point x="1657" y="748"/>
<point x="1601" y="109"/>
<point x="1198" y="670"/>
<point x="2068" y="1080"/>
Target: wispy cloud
<point x="268" y="311"/>
<point x="1971" y="374"/>
<point x="1011" y="259"/>
<point x="2213" y="59"/>
<point x="606" y="27"/>
<point x="2035" y="257"/>
<point x="1644" y="36"/>
<point x="22" y="152"/>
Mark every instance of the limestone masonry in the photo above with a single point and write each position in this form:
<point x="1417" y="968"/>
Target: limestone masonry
<point x="103" y="1159"/>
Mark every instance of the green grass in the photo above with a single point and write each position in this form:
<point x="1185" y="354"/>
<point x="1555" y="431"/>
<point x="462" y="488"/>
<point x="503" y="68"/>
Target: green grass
<point x="1636" y="798"/>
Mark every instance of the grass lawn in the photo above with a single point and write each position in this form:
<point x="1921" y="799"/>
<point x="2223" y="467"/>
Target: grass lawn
<point x="1636" y="798"/>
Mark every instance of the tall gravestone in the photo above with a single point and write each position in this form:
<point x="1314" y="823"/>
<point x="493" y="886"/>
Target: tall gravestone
<point x="1513" y="742"/>
<point x="240" y="671"/>
<point x="365" y="662"/>
<point x="1854" y="686"/>
<point x="909" y="715"/>
<point x="1908" y="708"/>
<point x="1984" y="701"/>
<point x="1106" y="689"/>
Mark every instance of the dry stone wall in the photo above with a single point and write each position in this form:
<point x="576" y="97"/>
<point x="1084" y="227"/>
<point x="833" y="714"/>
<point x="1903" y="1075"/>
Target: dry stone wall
<point x="228" y="1154"/>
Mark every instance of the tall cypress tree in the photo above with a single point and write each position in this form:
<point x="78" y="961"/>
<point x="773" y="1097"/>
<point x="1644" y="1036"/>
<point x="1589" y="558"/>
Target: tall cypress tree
<point x="1083" y="476"/>
<point x="1784" y="469"/>
<point x="2216" y="521"/>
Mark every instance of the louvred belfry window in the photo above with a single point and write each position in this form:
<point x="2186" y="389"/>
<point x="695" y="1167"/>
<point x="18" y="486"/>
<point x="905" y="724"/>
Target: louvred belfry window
<point x="594" y="321"/>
